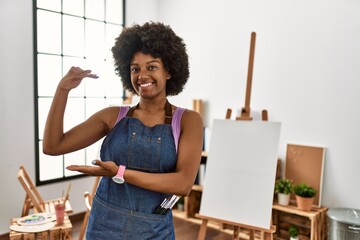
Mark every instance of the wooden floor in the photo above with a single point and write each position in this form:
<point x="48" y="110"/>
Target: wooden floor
<point x="184" y="230"/>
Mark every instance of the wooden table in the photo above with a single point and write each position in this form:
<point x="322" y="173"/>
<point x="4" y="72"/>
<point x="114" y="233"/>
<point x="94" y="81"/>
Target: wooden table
<point x="58" y="232"/>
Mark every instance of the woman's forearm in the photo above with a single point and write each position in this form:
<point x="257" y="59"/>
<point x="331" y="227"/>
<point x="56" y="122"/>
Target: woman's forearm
<point x="171" y="183"/>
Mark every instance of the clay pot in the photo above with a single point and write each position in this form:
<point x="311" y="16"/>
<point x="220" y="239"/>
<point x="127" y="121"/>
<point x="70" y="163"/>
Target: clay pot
<point x="304" y="203"/>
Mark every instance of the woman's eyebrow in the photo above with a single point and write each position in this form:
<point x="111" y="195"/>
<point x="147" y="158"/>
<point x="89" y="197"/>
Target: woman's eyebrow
<point x="154" y="60"/>
<point x="151" y="61"/>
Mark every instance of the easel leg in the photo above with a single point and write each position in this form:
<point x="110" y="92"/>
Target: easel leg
<point x="269" y="236"/>
<point x="262" y="235"/>
<point x="26" y="206"/>
<point x="251" y="234"/>
<point x="236" y="233"/>
<point x="202" y="231"/>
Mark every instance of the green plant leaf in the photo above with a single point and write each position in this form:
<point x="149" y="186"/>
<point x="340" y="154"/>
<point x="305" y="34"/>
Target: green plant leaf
<point x="304" y="190"/>
<point x="284" y="186"/>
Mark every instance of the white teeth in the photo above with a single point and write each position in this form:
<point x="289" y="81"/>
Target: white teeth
<point x="145" y="84"/>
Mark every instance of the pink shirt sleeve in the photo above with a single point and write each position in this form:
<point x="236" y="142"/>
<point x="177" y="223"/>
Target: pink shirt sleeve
<point x="122" y="112"/>
<point x="176" y="125"/>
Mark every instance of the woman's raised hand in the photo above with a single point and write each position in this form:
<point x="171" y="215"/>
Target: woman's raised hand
<point x="73" y="78"/>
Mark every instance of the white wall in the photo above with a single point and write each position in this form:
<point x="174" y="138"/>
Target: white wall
<point x="140" y="11"/>
<point x="306" y="75"/>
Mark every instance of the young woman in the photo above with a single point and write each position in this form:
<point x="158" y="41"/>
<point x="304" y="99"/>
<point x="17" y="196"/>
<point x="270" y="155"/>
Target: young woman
<point x="151" y="151"/>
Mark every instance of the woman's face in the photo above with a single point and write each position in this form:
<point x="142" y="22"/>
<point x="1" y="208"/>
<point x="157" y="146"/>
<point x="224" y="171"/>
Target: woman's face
<point x="148" y="75"/>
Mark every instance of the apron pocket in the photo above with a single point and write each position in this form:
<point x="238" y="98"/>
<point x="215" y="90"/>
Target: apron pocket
<point x="111" y="222"/>
<point x="148" y="159"/>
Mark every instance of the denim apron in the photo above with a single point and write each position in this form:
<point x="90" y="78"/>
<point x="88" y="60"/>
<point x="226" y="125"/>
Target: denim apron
<point x="124" y="211"/>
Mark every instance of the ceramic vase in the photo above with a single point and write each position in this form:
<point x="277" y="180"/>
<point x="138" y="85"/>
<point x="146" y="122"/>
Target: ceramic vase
<point x="180" y="207"/>
<point x="283" y="199"/>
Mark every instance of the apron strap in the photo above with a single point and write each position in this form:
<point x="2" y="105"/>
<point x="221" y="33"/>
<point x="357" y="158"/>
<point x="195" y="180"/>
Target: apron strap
<point x="168" y="112"/>
<point x="131" y="110"/>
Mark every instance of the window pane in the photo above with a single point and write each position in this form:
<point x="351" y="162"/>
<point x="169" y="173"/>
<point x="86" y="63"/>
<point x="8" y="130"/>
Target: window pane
<point x="94" y="105"/>
<point x="114" y="11"/>
<point x="74" y="113"/>
<point x="51" y="167"/>
<point x="54" y="5"/>
<point x="112" y="82"/>
<point x="93" y="152"/>
<point x="113" y="102"/>
<point x="112" y="32"/>
<point x="69" y="62"/>
<point x="95" y="9"/>
<point x="74" y="158"/>
<point x="95" y="87"/>
<point x="95" y="39"/>
<point x="49" y="74"/>
<point x="74" y="7"/>
<point x="73" y="38"/>
<point x="48" y="32"/>
<point x="43" y="109"/>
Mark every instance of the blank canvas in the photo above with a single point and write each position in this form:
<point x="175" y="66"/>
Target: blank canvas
<point x="240" y="172"/>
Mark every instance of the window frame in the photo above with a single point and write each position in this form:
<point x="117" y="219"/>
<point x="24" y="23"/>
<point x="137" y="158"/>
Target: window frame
<point x="38" y="138"/>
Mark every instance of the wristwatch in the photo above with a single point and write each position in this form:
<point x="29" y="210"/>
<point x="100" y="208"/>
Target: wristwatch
<point x="119" y="177"/>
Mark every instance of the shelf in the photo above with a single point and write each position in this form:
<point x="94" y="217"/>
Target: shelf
<point x="311" y="224"/>
<point x="294" y="210"/>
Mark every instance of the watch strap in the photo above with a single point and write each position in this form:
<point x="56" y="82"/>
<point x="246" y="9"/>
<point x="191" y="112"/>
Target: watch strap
<point x="121" y="171"/>
<point x="119" y="177"/>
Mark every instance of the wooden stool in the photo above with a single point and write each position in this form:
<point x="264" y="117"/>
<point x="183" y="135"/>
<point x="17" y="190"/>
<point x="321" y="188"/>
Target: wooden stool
<point x="61" y="232"/>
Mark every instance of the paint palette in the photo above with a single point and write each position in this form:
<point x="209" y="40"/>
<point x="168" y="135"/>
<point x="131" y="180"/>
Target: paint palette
<point x="36" y="219"/>
<point x="33" y="228"/>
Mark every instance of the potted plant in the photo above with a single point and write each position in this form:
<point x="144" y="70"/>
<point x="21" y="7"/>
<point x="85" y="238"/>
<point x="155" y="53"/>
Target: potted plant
<point x="283" y="188"/>
<point x="304" y="196"/>
<point x="293" y="232"/>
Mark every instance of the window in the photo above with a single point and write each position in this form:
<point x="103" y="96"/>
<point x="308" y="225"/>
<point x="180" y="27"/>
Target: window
<point x="74" y="33"/>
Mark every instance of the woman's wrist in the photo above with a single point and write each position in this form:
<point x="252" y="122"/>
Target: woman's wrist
<point x="62" y="89"/>
<point x="115" y="170"/>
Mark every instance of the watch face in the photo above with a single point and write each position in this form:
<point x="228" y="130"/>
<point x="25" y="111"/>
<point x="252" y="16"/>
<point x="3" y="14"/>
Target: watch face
<point x="118" y="180"/>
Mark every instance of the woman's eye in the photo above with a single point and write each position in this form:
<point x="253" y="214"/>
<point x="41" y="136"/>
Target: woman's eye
<point x="152" y="68"/>
<point x="134" y="70"/>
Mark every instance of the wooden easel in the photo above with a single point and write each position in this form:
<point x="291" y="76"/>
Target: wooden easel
<point x="265" y="234"/>
<point x="245" y="111"/>
<point x="245" y="115"/>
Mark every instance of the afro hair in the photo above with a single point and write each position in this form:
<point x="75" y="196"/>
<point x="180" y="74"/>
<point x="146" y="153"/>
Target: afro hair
<point x="159" y="41"/>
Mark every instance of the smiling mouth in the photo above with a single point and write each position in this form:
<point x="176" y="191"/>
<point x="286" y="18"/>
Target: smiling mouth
<point x="143" y="85"/>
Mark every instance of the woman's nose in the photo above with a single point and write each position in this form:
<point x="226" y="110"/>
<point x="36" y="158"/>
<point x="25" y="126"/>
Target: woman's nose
<point x="143" y="77"/>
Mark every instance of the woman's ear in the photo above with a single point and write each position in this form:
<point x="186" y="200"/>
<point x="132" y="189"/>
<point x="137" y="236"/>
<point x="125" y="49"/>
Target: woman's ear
<point x="168" y="76"/>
